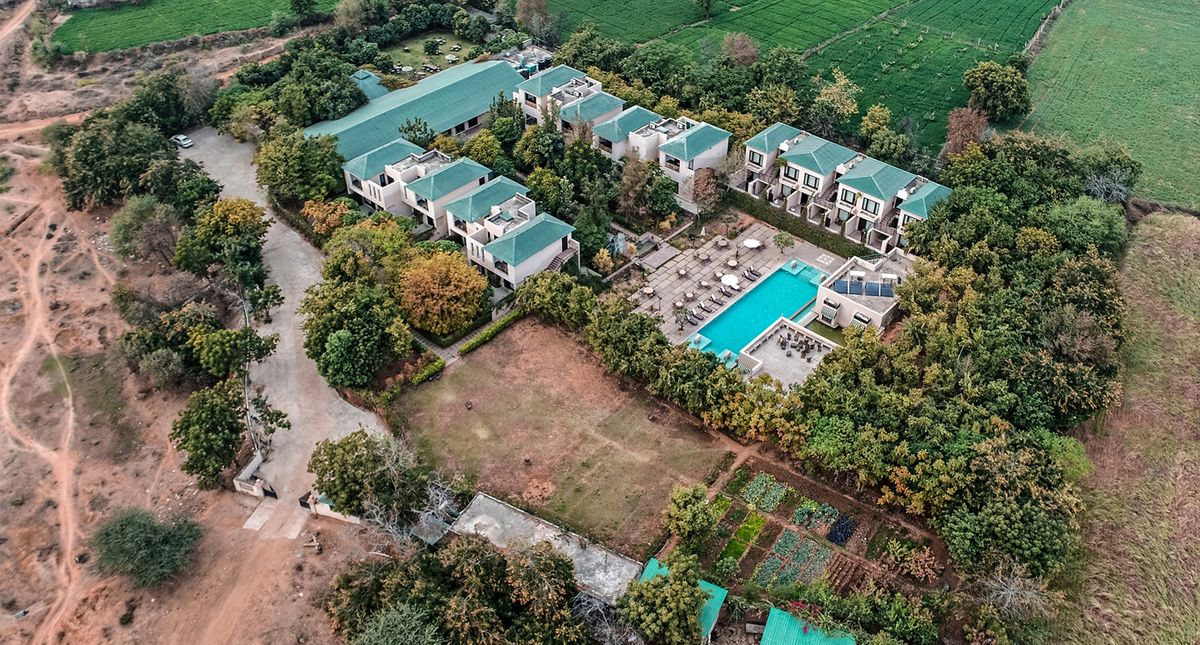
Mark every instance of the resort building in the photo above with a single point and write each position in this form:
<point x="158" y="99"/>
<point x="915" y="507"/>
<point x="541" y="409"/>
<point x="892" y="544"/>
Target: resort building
<point x="612" y="137"/>
<point x="862" y="293"/>
<point x="418" y="185"/>
<point x="698" y="147"/>
<point x="834" y="187"/>
<point x="578" y="99"/>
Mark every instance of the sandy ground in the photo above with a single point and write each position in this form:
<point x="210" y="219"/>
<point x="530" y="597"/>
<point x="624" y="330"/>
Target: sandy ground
<point x="69" y="457"/>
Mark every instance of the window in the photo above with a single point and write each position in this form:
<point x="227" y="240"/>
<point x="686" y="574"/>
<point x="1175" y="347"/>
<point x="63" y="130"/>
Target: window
<point x="790" y="172"/>
<point x="812" y="181"/>
<point x="848" y="196"/>
<point x="605" y="144"/>
<point x="530" y="99"/>
<point x="355" y="182"/>
<point x="756" y="158"/>
<point x="473" y="122"/>
<point x="566" y="126"/>
<point x="871" y="206"/>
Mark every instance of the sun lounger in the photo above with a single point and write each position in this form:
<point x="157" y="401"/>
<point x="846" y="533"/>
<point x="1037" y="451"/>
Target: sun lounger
<point x="705" y="307"/>
<point x="697" y="314"/>
<point x="753" y="272"/>
<point x="692" y="321"/>
<point x="715" y="299"/>
<point x="746" y="274"/>
<point x="735" y="287"/>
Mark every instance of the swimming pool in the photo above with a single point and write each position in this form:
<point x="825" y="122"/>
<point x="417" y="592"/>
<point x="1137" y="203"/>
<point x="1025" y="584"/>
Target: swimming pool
<point x="787" y="291"/>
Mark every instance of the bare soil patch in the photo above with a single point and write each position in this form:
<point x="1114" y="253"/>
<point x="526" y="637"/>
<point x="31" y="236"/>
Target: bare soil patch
<point x="543" y="412"/>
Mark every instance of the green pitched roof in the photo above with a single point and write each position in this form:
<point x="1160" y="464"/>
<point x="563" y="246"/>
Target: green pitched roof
<point x="785" y="629"/>
<point x="768" y="140"/>
<point x="370" y="164"/>
<point x="922" y="201"/>
<point x="521" y="244"/>
<point x="877" y="179"/>
<point x="692" y="143"/>
<point x="619" y="127"/>
<point x="369" y="84"/>
<point x="711" y="609"/>
<point x="478" y="203"/>
<point x="448" y="178"/>
<point x="818" y="155"/>
<point x="544" y="83"/>
<point x="590" y="107"/>
<point x="443" y="100"/>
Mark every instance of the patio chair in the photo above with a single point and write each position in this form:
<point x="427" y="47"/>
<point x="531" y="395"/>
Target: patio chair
<point x="736" y="287"/>
<point x="746" y="274"/>
<point x="726" y="292"/>
<point x="692" y="321"/>
<point x="715" y="299"/>
<point x="697" y="314"/>
<point x="753" y="272"/>
<point x="705" y="307"/>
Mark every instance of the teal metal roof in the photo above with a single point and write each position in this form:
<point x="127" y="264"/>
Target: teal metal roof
<point x="543" y="84"/>
<point x="448" y="178"/>
<point x="619" y="127"/>
<point x="528" y="239"/>
<point x="366" y="166"/>
<point x="923" y="200"/>
<point x="877" y="179"/>
<point x="369" y="84"/>
<point x="711" y="609"/>
<point x="785" y="629"/>
<point x="768" y="140"/>
<point x="443" y="100"/>
<point x="694" y="142"/>
<point x="589" y="108"/>
<point x="817" y="155"/>
<point x="478" y="203"/>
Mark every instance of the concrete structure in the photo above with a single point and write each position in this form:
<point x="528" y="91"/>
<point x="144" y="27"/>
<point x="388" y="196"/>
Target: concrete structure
<point x="862" y="293"/>
<point x="598" y="571"/>
<point x="527" y="60"/>
<point x="834" y="187"/>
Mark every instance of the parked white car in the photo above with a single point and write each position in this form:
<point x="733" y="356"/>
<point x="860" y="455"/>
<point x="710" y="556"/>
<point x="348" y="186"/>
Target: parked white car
<point x="182" y="141"/>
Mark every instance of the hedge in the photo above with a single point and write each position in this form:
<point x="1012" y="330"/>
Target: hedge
<point x="785" y="221"/>
<point x="490" y="332"/>
<point x="429" y="371"/>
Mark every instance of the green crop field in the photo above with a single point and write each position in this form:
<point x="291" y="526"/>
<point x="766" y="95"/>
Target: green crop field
<point x="800" y="24"/>
<point x="636" y="21"/>
<point x="97" y="30"/>
<point x="1130" y="72"/>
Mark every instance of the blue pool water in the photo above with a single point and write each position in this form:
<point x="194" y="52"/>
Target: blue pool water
<point x="787" y="291"/>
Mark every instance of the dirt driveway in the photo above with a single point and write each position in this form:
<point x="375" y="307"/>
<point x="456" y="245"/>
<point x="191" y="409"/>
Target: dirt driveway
<point x="290" y="378"/>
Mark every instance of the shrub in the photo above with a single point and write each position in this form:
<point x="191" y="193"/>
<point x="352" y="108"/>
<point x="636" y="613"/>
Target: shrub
<point x="400" y="624"/>
<point x="429" y="371"/>
<point x="493" y="330"/>
<point x="132" y="543"/>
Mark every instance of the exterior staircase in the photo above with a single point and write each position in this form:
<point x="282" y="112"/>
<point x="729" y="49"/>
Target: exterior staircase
<point x="560" y="259"/>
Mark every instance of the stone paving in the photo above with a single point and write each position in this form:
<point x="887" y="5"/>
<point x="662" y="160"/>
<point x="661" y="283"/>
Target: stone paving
<point x="670" y="287"/>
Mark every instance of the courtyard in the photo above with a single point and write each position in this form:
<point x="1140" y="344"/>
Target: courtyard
<point x="533" y="419"/>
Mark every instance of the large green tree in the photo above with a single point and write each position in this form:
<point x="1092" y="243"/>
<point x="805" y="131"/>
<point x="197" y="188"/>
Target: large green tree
<point x="362" y="472"/>
<point x="999" y="90"/>
<point x="226" y="241"/>
<point x="294" y="166"/>
<point x="666" y="609"/>
<point x="212" y="427"/>
<point x="351" y="329"/>
<point x="104" y="159"/>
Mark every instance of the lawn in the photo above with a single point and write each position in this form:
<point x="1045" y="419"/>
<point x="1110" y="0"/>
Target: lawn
<point x="415" y="57"/>
<point x="129" y="25"/>
<point x="1127" y="71"/>
<point x="1140" y="525"/>
<point x="533" y="418"/>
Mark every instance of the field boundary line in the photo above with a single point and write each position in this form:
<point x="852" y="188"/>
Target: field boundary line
<point x="869" y="22"/>
<point x="1038" y="40"/>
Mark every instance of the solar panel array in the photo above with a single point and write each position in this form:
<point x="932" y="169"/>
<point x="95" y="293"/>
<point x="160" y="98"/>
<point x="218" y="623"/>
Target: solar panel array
<point x="857" y="288"/>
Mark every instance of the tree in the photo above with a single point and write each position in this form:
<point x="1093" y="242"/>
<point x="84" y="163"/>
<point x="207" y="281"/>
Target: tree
<point x="302" y="8"/>
<point x="784" y="241"/>
<point x="588" y="47"/>
<point x="888" y="146"/>
<point x="351" y="329"/>
<point x="602" y="261"/>
<point x="705" y="191"/>
<point x="134" y="544"/>
<point x="441" y="294"/>
<point x="705" y="6"/>
<point x="966" y="126"/>
<point x="1109" y="171"/>
<point x="774" y="104"/>
<point x="659" y="64"/>
<point x="835" y="104"/>
<point x="666" y="609"/>
<point x="418" y="132"/>
<point x="690" y="517"/>
<point x="182" y="183"/>
<point x="211" y="428"/>
<point x="355" y="15"/>
<point x="533" y="15"/>
<point x="999" y="90"/>
<point x="168" y="101"/>
<point x="877" y="118"/>
<point x="144" y="228"/>
<point x="738" y="48"/>
<point x="106" y="157"/>
<point x="294" y="166"/>
<point x="557" y="298"/>
<point x="362" y="469"/>
<point x="592" y="224"/>
<point x="226" y="352"/>
<point x="400" y="624"/>
<point x="317" y="86"/>
<point x="484" y="148"/>
<point x="552" y="193"/>
<point x="541" y="145"/>
<point x="786" y="66"/>
<point x="507" y="130"/>
<point x="634" y="194"/>
<point x="327" y="217"/>
<point x="226" y="241"/>
<point x="1087" y="221"/>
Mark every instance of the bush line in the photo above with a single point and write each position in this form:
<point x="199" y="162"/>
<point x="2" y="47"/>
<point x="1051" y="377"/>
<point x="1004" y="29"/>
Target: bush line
<point x="785" y="221"/>
<point x="480" y="339"/>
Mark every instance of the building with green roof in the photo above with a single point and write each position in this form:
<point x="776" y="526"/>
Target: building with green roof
<point x="709" y="612"/>
<point x="698" y="147"/>
<point x="876" y="179"/>
<point x="588" y="110"/>
<point x="454" y="101"/>
<point x="370" y="165"/>
<point x="369" y="84"/>
<point x="479" y="203"/>
<point x="694" y="142"/>
<point x="524" y="248"/>
<point x="769" y="139"/>
<point x="544" y="83"/>
<point x="817" y="155"/>
<point x="923" y="199"/>
<point x="448" y="179"/>
<point x="785" y="629"/>
<point x="612" y="135"/>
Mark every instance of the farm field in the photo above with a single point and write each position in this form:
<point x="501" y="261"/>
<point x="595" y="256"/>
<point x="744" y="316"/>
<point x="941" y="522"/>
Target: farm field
<point x="1126" y="71"/>
<point x="635" y="21"/>
<point x="1139" y="526"/>
<point x="800" y="24"/>
<point x="549" y="430"/>
<point x="104" y="29"/>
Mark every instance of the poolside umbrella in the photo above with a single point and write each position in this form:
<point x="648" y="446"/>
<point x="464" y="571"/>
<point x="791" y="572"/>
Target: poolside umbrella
<point x="751" y="243"/>
<point x="729" y="280"/>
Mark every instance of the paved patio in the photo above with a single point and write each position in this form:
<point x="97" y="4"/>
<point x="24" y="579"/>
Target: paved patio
<point x="791" y="353"/>
<point x="699" y="275"/>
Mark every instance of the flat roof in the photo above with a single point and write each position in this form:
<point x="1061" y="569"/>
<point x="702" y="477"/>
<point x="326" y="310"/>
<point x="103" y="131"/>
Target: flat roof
<point x="598" y="571"/>
<point x="861" y="291"/>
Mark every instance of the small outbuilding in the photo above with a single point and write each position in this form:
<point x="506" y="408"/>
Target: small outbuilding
<point x="786" y="629"/>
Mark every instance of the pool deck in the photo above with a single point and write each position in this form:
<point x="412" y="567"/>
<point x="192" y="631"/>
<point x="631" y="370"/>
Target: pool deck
<point x="671" y="287"/>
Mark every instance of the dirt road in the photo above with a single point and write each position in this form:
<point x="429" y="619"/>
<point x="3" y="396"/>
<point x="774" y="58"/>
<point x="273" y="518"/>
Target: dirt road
<point x="17" y="19"/>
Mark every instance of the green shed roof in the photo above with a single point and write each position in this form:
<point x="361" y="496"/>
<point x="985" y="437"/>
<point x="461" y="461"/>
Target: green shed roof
<point x="370" y="164"/>
<point x="818" y="155"/>
<point x="619" y="127"/>
<point x="528" y="239"/>
<point x="922" y="201"/>
<point x="448" y="178"/>
<point x="711" y="609"/>
<point x="443" y="100"/>
<point x="369" y="84"/>
<point x="591" y="107"/>
<point x="694" y="142"/>
<point x="478" y="203"/>
<point x="877" y="179"/>
<point x="768" y="140"/>
<point x="544" y="83"/>
<point x="785" y="629"/>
